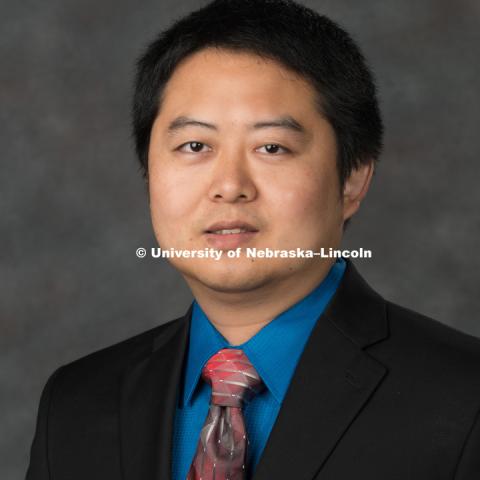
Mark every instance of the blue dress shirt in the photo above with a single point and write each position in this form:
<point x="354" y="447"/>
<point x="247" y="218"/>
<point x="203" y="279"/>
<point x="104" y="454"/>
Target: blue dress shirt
<point x="274" y="352"/>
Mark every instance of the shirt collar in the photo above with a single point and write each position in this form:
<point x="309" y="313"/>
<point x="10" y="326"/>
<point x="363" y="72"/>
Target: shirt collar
<point x="274" y="351"/>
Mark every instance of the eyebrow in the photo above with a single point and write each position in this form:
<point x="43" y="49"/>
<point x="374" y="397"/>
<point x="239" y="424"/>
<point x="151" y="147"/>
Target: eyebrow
<point x="286" y="122"/>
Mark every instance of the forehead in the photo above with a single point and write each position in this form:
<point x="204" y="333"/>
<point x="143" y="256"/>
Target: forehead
<point x="229" y="60"/>
<point x="230" y="77"/>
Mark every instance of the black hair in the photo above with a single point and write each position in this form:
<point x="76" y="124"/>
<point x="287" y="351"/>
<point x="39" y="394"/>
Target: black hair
<point x="297" y="37"/>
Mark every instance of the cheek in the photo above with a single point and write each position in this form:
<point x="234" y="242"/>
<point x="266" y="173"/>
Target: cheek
<point x="172" y="195"/>
<point x="173" y="199"/>
<point x="305" y="200"/>
<point x="308" y="210"/>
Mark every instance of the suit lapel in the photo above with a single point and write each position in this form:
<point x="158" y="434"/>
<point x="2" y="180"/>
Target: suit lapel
<point x="148" y="401"/>
<point x="334" y="379"/>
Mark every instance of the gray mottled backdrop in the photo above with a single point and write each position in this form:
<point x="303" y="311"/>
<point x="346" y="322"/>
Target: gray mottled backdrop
<point x="74" y="209"/>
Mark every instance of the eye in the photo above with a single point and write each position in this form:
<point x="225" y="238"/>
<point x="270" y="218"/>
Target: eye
<point x="193" y="147"/>
<point x="274" y="148"/>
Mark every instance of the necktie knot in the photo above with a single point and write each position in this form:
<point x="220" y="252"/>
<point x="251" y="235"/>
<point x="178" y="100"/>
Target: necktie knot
<point x="233" y="378"/>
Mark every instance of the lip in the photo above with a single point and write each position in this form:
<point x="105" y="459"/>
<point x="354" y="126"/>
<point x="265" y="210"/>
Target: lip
<point x="229" y="241"/>
<point x="229" y="225"/>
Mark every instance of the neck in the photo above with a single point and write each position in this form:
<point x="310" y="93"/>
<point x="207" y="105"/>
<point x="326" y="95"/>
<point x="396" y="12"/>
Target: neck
<point x="238" y="316"/>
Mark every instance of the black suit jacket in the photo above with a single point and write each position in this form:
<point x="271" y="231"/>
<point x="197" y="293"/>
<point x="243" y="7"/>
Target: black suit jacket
<point x="380" y="393"/>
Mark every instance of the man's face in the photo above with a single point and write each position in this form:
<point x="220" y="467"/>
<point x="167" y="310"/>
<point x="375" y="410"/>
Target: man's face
<point x="267" y="159"/>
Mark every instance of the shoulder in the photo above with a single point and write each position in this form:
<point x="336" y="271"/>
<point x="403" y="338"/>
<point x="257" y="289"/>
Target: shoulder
<point x="433" y="338"/>
<point x="431" y="354"/>
<point x="103" y="369"/>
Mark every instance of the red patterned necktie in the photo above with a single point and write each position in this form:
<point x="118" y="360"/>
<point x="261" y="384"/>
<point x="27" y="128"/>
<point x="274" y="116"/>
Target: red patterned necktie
<point x="222" y="448"/>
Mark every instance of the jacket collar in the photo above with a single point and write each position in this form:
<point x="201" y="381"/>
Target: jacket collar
<point x="335" y="378"/>
<point x="148" y="398"/>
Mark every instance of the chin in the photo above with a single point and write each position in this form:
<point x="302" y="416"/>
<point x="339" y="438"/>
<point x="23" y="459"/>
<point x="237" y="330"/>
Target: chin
<point x="229" y="281"/>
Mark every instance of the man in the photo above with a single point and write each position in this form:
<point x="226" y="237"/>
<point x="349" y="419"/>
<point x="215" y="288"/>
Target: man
<point x="257" y="126"/>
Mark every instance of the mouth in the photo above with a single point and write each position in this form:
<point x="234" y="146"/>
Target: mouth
<point x="229" y="235"/>
<point x="230" y="228"/>
<point x="228" y="231"/>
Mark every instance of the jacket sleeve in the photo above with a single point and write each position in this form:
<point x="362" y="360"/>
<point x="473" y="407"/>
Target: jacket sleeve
<point x="38" y="468"/>
<point x="468" y="467"/>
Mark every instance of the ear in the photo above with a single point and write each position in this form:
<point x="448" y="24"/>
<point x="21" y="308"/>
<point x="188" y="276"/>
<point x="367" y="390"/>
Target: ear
<point x="355" y="188"/>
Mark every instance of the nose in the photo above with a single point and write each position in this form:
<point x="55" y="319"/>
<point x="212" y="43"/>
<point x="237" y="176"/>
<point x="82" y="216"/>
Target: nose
<point x="231" y="179"/>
